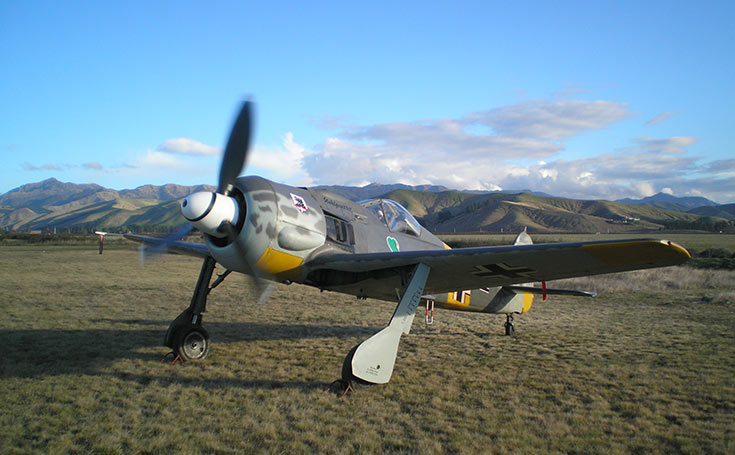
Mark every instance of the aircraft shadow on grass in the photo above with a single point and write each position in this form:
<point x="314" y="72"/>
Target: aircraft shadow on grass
<point x="221" y="383"/>
<point x="50" y="352"/>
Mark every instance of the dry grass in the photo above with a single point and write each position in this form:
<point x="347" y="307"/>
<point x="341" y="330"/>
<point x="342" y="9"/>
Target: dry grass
<point x="646" y="367"/>
<point x="713" y="284"/>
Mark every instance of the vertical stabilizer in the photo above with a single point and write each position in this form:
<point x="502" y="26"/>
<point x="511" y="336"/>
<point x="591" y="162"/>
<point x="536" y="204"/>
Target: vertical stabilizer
<point x="524" y="300"/>
<point x="523" y="238"/>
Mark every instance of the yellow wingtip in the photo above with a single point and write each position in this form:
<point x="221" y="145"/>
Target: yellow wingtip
<point x="679" y="249"/>
<point x="634" y="252"/>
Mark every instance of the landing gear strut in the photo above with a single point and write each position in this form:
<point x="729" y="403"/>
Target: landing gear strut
<point x="509" y="327"/>
<point x="372" y="361"/>
<point x="186" y="336"/>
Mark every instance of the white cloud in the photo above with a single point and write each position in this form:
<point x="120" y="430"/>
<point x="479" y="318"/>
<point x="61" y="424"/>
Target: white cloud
<point x="472" y="152"/>
<point x="551" y="120"/>
<point x="44" y="167"/>
<point x="656" y="165"/>
<point x="721" y="167"/>
<point x="284" y="163"/>
<point x="174" y="157"/>
<point x="440" y="137"/>
<point x="643" y="189"/>
<point x="659" y="118"/>
<point x="514" y="147"/>
<point x="586" y="177"/>
<point x="155" y="163"/>
<point x="669" y="145"/>
<point x="570" y="90"/>
<point x="186" y="146"/>
<point x="153" y="158"/>
<point x="331" y="122"/>
<point x="548" y="173"/>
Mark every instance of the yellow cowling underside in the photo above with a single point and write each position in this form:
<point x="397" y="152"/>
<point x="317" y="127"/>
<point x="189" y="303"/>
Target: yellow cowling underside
<point x="279" y="264"/>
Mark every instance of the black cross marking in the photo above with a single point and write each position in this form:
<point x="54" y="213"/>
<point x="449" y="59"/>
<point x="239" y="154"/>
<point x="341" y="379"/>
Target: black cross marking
<point x="502" y="270"/>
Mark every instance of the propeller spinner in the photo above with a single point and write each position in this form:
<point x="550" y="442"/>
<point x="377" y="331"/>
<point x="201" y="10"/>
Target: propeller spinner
<point x="208" y="211"/>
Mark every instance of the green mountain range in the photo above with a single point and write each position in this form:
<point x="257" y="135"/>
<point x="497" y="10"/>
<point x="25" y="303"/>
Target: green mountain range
<point x="70" y="207"/>
<point x="503" y="212"/>
<point x="67" y="207"/>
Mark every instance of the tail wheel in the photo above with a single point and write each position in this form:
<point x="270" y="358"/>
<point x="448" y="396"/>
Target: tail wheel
<point x="347" y="376"/>
<point x="194" y="344"/>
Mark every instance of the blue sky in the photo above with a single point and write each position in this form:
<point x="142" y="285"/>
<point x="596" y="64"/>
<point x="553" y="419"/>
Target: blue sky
<point x="577" y="99"/>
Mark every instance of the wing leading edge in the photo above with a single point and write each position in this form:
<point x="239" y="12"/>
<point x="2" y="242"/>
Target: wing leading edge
<point x="189" y="249"/>
<point x="471" y="268"/>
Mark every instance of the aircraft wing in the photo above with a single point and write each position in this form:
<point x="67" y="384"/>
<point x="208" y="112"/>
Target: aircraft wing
<point x="189" y="249"/>
<point x="375" y="274"/>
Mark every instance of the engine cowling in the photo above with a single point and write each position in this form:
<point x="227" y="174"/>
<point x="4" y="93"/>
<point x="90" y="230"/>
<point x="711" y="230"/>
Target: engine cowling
<point x="207" y="211"/>
<point x="279" y="226"/>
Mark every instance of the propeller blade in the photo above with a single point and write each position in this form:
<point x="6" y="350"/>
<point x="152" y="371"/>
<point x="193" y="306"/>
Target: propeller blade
<point x="263" y="289"/>
<point x="161" y="248"/>
<point x="178" y="234"/>
<point x="236" y="151"/>
<point x="266" y="294"/>
<point x="141" y="255"/>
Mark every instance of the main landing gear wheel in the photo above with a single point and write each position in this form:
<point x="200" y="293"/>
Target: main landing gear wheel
<point x="349" y="382"/>
<point x="193" y="344"/>
<point x="509" y="327"/>
<point x="185" y="335"/>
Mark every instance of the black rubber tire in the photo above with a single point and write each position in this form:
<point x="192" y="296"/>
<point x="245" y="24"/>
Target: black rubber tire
<point x="347" y="375"/>
<point x="193" y="344"/>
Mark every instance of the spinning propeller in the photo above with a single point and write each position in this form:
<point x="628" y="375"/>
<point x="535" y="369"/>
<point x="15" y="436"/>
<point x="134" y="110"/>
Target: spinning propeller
<point x="218" y="214"/>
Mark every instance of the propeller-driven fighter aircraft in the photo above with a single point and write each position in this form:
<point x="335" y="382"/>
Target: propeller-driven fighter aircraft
<point x="372" y="249"/>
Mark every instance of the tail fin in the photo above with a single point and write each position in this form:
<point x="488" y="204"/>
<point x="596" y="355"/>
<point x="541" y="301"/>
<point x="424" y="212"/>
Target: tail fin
<point x="523" y="238"/>
<point x="525" y="298"/>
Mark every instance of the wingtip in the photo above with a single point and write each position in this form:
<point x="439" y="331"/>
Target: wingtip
<point x="683" y="252"/>
<point x="651" y="252"/>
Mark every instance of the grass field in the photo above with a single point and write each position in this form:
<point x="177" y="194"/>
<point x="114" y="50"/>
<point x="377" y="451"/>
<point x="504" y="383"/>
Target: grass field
<point x="648" y="366"/>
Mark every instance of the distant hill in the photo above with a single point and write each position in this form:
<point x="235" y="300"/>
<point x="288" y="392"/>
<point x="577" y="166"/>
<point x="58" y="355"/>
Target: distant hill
<point x="726" y="211"/>
<point x="50" y="193"/>
<point x="669" y="202"/>
<point x="422" y="204"/>
<point x="53" y="193"/>
<point x="498" y="212"/>
<point x="70" y="207"/>
<point x="167" y="192"/>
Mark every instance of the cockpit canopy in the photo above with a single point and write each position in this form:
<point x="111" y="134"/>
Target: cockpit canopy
<point x="393" y="215"/>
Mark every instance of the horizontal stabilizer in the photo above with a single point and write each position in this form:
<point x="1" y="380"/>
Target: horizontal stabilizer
<point x="540" y="291"/>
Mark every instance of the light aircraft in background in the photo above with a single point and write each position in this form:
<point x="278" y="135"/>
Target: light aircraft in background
<point x="372" y="249"/>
